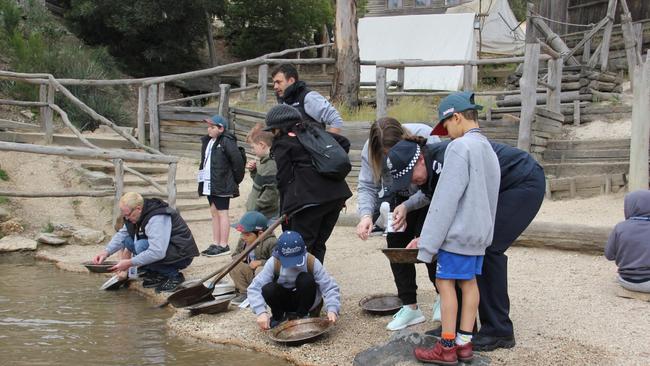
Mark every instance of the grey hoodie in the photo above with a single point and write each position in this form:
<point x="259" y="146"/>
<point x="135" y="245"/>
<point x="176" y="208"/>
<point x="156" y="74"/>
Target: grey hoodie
<point x="327" y="287"/>
<point x="629" y="242"/>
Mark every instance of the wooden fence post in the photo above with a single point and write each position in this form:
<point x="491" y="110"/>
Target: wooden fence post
<point x="243" y="80"/>
<point x="142" y="100"/>
<point x="528" y="89"/>
<point x="161" y="92"/>
<point x="381" y="97"/>
<point x="629" y="41"/>
<point x="554" y="91"/>
<point x="224" y="103"/>
<point x="640" y="133"/>
<point x="467" y="77"/>
<point x="586" y="51"/>
<point x="46" y="95"/>
<point x="171" y="185"/>
<point x="576" y="113"/>
<point x="154" y="130"/>
<point x="119" y="188"/>
<point x="400" y="79"/>
<point x="607" y="35"/>
<point x="262" y="79"/>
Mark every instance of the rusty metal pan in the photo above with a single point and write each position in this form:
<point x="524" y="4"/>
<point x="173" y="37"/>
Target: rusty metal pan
<point x="381" y="304"/>
<point x="210" y="307"/>
<point x="300" y="331"/>
<point x="99" y="268"/>
<point x="401" y="255"/>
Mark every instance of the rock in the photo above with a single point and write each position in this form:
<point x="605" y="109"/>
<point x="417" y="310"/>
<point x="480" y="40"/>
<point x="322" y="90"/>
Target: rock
<point x="51" y="239"/>
<point x="399" y="350"/>
<point x="95" y="178"/>
<point x="4" y="214"/>
<point x="10" y="227"/>
<point x="28" y="114"/>
<point x="64" y="230"/>
<point x="13" y="243"/>
<point x="85" y="236"/>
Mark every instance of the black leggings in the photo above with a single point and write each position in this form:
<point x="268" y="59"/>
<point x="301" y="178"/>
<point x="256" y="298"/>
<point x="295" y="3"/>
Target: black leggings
<point x="297" y="300"/>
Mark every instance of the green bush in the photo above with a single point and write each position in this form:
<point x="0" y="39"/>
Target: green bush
<point x="3" y="175"/>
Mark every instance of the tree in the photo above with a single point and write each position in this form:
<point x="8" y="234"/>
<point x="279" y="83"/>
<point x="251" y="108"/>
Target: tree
<point x="149" y="37"/>
<point x="347" y="74"/>
<point x="256" y="27"/>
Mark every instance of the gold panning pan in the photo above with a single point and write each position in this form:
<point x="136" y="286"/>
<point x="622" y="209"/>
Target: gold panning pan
<point x="401" y="255"/>
<point x="300" y="331"/>
<point x="381" y="304"/>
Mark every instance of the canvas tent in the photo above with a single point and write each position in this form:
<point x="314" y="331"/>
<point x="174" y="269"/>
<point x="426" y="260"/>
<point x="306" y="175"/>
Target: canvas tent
<point x="424" y="37"/>
<point x="500" y="30"/>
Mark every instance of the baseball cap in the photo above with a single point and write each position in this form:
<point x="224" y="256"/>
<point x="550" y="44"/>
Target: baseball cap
<point x="217" y="120"/>
<point x="290" y="249"/>
<point x="280" y="116"/>
<point x="401" y="161"/>
<point x="251" y="221"/>
<point x="453" y="103"/>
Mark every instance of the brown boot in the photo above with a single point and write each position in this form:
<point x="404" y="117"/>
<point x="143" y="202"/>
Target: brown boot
<point x="465" y="352"/>
<point x="439" y="354"/>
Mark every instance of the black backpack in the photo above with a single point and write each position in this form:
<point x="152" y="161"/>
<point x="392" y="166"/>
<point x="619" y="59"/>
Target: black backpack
<point x="327" y="155"/>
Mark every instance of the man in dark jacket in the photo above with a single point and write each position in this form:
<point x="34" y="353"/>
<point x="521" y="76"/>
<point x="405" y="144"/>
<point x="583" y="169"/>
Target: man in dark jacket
<point x="157" y="238"/>
<point x="311" y="105"/>
<point x="318" y="199"/>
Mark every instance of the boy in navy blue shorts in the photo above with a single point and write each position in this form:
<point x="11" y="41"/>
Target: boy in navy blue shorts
<point x="460" y="221"/>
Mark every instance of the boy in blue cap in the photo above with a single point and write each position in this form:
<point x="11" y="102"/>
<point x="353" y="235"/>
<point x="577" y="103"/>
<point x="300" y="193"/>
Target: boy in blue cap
<point x="292" y="281"/>
<point x="460" y="223"/>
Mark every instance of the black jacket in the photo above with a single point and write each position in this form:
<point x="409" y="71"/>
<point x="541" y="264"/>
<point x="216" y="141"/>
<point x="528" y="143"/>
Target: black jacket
<point x="298" y="181"/>
<point x="226" y="165"/>
<point x="294" y="95"/>
<point x="181" y="242"/>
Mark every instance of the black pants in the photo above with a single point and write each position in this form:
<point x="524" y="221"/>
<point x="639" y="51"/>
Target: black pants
<point x="404" y="273"/>
<point x="283" y="300"/>
<point x="315" y="225"/>
<point x="516" y="209"/>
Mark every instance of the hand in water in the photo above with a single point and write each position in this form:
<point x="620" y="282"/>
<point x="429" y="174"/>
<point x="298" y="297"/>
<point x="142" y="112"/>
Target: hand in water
<point x="364" y="227"/>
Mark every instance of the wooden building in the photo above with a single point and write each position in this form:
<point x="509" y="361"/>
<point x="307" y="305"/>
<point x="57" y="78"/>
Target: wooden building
<point x="378" y="8"/>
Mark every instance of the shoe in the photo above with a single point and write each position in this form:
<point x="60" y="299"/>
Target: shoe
<point x="171" y="283"/>
<point x="485" y="343"/>
<point x="153" y="279"/>
<point x="436" y="311"/>
<point x="239" y="299"/>
<point x="465" y="352"/>
<point x="405" y="317"/>
<point x="216" y="250"/>
<point x="435" y="332"/>
<point x="438" y="354"/>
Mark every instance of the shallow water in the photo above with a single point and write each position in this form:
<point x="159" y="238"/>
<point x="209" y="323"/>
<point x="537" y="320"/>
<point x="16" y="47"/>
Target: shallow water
<point x="53" y="317"/>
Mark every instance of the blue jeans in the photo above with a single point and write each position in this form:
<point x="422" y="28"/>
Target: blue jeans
<point x="165" y="269"/>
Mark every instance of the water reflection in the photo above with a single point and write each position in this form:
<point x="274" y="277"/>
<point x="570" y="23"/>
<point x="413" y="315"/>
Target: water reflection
<point x="49" y="316"/>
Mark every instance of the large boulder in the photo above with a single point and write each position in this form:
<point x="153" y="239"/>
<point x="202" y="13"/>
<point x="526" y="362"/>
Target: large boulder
<point x="11" y="227"/>
<point x="51" y="239"/>
<point x="13" y="243"/>
<point x="85" y="236"/>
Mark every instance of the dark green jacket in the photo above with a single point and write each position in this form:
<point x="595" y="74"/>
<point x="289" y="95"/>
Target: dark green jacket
<point x="264" y="196"/>
<point x="262" y="252"/>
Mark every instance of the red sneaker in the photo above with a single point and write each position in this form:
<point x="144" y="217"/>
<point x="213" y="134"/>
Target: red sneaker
<point x="465" y="352"/>
<point x="439" y="354"/>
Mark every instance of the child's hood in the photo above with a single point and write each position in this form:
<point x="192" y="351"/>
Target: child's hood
<point x="637" y="203"/>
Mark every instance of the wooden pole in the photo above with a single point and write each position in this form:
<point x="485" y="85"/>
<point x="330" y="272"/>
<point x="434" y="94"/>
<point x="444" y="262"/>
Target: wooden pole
<point x="243" y="80"/>
<point x="586" y="52"/>
<point x="171" y="185"/>
<point x="640" y="134"/>
<point x="638" y="31"/>
<point x="576" y="113"/>
<point x="629" y="40"/>
<point x="42" y="97"/>
<point x="607" y="35"/>
<point x="555" y="41"/>
<point x="528" y="87"/>
<point x="154" y="131"/>
<point x="381" y="97"/>
<point x="49" y="123"/>
<point x="41" y="194"/>
<point x="553" y="92"/>
<point x="224" y="102"/>
<point x="400" y="79"/>
<point x="262" y="80"/>
<point x="467" y="77"/>
<point x="142" y="100"/>
<point x="161" y="92"/>
<point x="119" y="188"/>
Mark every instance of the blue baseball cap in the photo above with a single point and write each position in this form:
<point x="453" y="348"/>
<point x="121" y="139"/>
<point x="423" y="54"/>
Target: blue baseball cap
<point x="401" y="161"/>
<point x="453" y="103"/>
<point x="290" y="249"/>
<point x="251" y="222"/>
<point x="217" y="120"/>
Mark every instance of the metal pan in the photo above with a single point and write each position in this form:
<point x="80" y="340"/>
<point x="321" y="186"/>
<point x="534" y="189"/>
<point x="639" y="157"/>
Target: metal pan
<point x="300" y="331"/>
<point x="99" y="268"/>
<point x="401" y="255"/>
<point x="114" y="283"/>
<point x="381" y="304"/>
<point x="210" y="307"/>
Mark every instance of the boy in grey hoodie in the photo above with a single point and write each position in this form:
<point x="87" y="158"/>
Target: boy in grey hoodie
<point x="460" y="222"/>
<point x="297" y="285"/>
<point x="628" y="243"/>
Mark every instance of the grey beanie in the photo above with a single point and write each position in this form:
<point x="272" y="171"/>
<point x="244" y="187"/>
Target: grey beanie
<point x="281" y="115"/>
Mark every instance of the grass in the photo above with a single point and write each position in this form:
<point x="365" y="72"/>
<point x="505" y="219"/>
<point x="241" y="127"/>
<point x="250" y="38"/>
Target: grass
<point x="3" y="175"/>
<point x="76" y="203"/>
<point x="4" y="200"/>
<point x="49" y="228"/>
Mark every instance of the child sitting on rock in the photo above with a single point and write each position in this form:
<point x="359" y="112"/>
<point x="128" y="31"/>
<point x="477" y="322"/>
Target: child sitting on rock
<point x="629" y="245"/>
<point x="292" y="281"/>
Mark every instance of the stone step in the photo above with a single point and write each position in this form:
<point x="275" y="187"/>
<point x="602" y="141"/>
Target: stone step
<point x="184" y="205"/>
<point x="572" y="169"/>
<point x="106" y="142"/>
<point x="585" y="186"/>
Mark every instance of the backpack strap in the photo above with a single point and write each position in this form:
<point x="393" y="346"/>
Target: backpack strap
<point x="277" y="266"/>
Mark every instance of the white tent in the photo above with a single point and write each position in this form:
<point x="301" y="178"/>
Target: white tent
<point x="424" y="37"/>
<point x="500" y="30"/>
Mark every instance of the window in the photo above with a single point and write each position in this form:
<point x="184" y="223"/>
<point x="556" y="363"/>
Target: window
<point x="394" y="4"/>
<point x="422" y="3"/>
<point x="452" y="2"/>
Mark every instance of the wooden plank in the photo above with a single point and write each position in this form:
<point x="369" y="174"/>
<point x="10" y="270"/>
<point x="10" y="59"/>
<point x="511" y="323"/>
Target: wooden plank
<point x="201" y="131"/>
<point x="262" y="77"/>
<point x="640" y="127"/>
<point x="178" y="123"/>
<point x="548" y="124"/>
<point x="380" y="93"/>
<point x="549" y="114"/>
<point x="119" y="188"/>
<point x="179" y="138"/>
<point x="5" y="123"/>
<point x="528" y="95"/>
<point x="142" y="100"/>
<point x="178" y="116"/>
<point x="154" y="128"/>
<point x="607" y="35"/>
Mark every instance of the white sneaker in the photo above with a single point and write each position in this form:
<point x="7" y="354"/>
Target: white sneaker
<point x="406" y="317"/>
<point x="436" y="310"/>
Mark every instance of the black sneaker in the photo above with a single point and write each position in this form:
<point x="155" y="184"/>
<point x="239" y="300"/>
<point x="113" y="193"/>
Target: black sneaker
<point x="239" y="299"/>
<point x="485" y="343"/>
<point x="153" y="279"/>
<point x="435" y="332"/>
<point x="171" y="283"/>
<point x="209" y="248"/>
<point x="216" y="250"/>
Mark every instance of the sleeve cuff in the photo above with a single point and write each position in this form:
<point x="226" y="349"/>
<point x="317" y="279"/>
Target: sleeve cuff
<point x="424" y="256"/>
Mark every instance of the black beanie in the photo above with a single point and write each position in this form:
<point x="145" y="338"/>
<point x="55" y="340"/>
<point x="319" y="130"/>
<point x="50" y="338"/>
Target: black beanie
<point x="281" y="115"/>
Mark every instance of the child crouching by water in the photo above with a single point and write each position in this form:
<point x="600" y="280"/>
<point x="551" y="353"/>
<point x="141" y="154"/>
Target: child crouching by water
<point x="292" y="281"/>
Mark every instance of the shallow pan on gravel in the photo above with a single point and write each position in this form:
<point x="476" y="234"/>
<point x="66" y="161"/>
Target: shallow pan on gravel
<point x="99" y="268"/>
<point x="210" y="307"/>
<point x="381" y="304"/>
<point x="300" y="331"/>
<point x="401" y="255"/>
